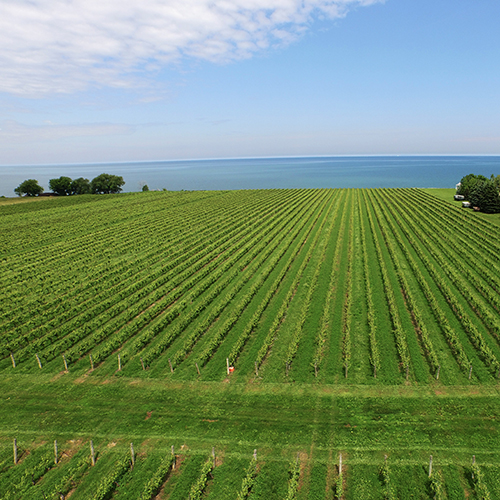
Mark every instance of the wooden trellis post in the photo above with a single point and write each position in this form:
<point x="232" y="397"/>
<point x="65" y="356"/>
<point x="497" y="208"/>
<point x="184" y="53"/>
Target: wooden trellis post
<point x="55" y="451"/>
<point x="227" y="365"/>
<point x="142" y="364"/>
<point x="198" y="370"/>
<point x="340" y="464"/>
<point x="255" y="454"/>
<point x="92" y="453"/>
<point x="173" y="454"/>
<point x="119" y="363"/>
<point x="91" y="362"/>
<point x="132" y="455"/>
<point x="13" y="360"/>
<point x="315" y="369"/>
<point x="256" y="369"/>
<point x="15" y="451"/>
<point x="470" y="372"/>
<point x="171" y="367"/>
<point x="430" y="466"/>
<point x="39" y="362"/>
<point x="437" y="374"/>
<point x="65" y="363"/>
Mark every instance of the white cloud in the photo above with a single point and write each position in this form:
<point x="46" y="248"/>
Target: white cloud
<point x="63" y="46"/>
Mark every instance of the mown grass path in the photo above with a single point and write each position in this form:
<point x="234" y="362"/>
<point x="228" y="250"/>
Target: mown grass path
<point x="451" y="420"/>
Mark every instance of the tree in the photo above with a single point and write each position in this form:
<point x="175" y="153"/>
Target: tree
<point x="61" y="186"/>
<point x="106" y="184"/>
<point x="145" y="188"/>
<point x="485" y="196"/>
<point x="468" y="184"/>
<point x="29" y="187"/>
<point x="80" y="186"/>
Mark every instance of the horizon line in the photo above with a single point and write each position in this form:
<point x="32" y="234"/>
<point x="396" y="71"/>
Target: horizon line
<point x="117" y="162"/>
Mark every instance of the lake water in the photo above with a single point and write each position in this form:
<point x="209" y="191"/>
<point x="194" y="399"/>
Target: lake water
<point x="264" y="173"/>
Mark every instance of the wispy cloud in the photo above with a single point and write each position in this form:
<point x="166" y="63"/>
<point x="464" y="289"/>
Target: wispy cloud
<point x="64" y="46"/>
<point x="13" y="132"/>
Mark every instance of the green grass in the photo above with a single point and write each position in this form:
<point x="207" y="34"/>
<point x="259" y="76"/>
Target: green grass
<point x="254" y="416"/>
<point x="227" y="479"/>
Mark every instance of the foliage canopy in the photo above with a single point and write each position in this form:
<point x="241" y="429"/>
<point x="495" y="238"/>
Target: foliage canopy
<point x="485" y="196"/>
<point x="481" y="192"/>
<point x="80" y="186"/>
<point x="61" y="186"/>
<point x="29" y="187"/>
<point x="104" y="183"/>
<point x="469" y="183"/>
<point x="107" y="184"/>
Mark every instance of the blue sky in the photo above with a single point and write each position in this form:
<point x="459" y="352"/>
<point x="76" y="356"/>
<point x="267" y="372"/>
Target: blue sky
<point x="109" y="80"/>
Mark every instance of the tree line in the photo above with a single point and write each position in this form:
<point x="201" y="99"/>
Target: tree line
<point x="65" y="186"/>
<point x="481" y="192"/>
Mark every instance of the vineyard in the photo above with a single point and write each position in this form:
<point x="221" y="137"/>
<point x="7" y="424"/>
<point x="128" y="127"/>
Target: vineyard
<point x="122" y="473"/>
<point x="303" y="324"/>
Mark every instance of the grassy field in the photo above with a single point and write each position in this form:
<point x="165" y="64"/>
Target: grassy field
<point x="360" y="323"/>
